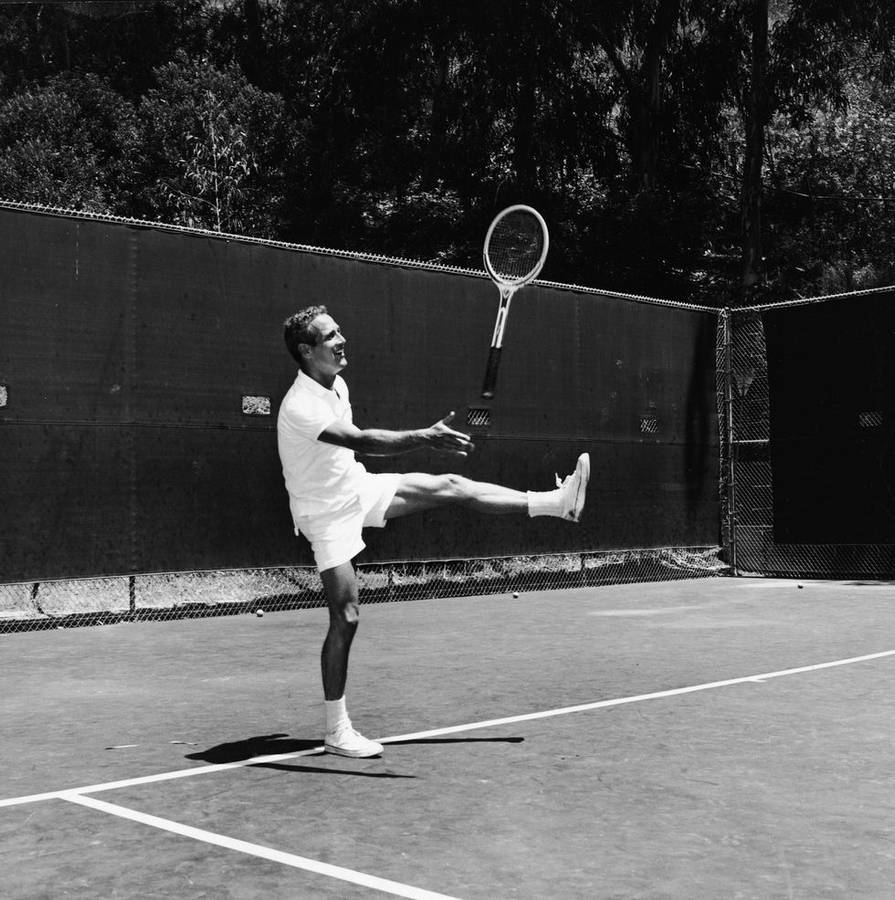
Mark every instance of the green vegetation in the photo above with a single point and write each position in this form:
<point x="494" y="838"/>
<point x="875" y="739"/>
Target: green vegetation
<point x="712" y="150"/>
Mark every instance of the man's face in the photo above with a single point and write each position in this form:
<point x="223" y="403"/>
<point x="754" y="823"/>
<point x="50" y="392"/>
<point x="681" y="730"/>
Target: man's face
<point x="326" y="357"/>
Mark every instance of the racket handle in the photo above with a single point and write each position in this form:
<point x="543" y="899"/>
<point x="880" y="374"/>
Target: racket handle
<point x="491" y="373"/>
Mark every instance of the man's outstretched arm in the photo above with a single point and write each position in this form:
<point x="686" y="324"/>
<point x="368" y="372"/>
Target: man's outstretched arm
<point x="383" y="442"/>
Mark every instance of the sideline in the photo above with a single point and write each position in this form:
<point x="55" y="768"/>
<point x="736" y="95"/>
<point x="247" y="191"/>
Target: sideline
<point x="277" y="856"/>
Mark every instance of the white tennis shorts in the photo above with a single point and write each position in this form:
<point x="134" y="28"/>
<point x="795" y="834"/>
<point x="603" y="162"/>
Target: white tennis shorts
<point x="335" y="537"/>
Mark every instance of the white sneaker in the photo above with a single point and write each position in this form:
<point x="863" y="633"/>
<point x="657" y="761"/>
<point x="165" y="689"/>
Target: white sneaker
<point x="574" y="488"/>
<point x="347" y="742"/>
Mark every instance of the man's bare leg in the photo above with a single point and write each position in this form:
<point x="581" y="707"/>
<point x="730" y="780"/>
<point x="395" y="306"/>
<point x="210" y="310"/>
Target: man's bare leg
<point x="340" y="589"/>
<point x="418" y="491"/>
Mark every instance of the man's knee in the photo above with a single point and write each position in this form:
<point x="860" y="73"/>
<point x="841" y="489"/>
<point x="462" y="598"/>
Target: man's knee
<point x="340" y="589"/>
<point x="454" y="488"/>
<point x="345" y="617"/>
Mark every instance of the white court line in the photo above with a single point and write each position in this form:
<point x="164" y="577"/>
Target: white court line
<point x="620" y="701"/>
<point x="162" y="776"/>
<point x="436" y="732"/>
<point x="277" y="856"/>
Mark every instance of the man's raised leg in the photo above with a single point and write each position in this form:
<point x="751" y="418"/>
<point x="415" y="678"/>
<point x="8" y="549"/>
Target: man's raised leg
<point x="418" y="491"/>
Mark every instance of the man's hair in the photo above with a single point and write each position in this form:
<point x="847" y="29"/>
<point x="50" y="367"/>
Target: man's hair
<point x="297" y="329"/>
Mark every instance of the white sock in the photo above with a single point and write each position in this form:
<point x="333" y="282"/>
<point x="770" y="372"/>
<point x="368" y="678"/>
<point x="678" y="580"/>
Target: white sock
<point x="336" y="715"/>
<point x="544" y="503"/>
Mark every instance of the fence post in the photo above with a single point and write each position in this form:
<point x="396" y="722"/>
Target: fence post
<point x="727" y="438"/>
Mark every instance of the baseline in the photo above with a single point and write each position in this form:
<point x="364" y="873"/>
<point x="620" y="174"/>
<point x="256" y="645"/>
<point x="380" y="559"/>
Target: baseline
<point x="69" y="793"/>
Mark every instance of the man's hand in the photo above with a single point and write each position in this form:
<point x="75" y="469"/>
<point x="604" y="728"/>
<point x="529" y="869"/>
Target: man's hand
<point x="444" y="439"/>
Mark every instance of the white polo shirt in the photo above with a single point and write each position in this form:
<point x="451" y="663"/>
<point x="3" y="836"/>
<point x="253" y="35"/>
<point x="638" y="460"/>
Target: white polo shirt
<point x="319" y="477"/>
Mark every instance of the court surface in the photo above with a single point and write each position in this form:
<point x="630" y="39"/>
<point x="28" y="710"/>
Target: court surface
<point x="717" y="738"/>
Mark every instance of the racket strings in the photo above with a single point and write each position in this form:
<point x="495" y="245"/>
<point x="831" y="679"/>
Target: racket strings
<point x="515" y="246"/>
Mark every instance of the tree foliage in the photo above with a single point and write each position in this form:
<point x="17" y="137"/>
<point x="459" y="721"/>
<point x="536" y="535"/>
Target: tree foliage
<point x="66" y="141"/>
<point x="400" y="127"/>
<point x="214" y="145"/>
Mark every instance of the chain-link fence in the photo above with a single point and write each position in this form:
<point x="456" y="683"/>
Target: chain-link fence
<point x="806" y="419"/>
<point x="774" y="519"/>
<point x="162" y="597"/>
<point x="746" y="488"/>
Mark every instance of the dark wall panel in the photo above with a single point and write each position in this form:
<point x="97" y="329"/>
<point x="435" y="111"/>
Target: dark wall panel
<point x="831" y="369"/>
<point x="66" y="294"/>
<point x="215" y="495"/>
<point x="126" y="352"/>
<point x="65" y="499"/>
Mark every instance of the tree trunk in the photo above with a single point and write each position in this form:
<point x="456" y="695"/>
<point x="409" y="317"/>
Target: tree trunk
<point x="756" y="120"/>
<point x="643" y="87"/>
<point x="647" y="115"/>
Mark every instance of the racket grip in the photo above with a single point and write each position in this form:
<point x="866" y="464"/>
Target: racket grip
<point x="491" y="373"/>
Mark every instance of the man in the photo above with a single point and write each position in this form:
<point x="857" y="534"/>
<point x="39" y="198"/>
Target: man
<point x="332" y="496"/>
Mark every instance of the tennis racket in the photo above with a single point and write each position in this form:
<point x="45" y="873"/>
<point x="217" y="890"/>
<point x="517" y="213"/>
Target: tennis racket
<point x="515" y="250"/>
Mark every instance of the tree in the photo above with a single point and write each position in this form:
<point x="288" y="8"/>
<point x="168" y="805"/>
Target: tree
<point x="669" y="153"/>
<point x="756" y="116"/>
<point x="121" y="41"/>
<point x="211" y="150"/>
<point x="804" y="57"/>
<point x="636" y="39"/>
<point x="66" y="142"/>
<point x="831" y="192"/>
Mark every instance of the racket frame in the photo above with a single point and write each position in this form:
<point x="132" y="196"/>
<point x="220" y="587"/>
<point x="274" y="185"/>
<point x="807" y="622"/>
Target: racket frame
<point x="507" y="288"/>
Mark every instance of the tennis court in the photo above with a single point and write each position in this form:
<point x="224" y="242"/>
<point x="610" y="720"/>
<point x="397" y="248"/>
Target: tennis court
<point x="601" y="711"/>
<point x="709" y="737"/>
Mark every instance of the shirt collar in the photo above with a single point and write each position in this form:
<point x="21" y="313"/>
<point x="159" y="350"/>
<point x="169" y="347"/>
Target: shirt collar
<point x="315" y="387"/>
